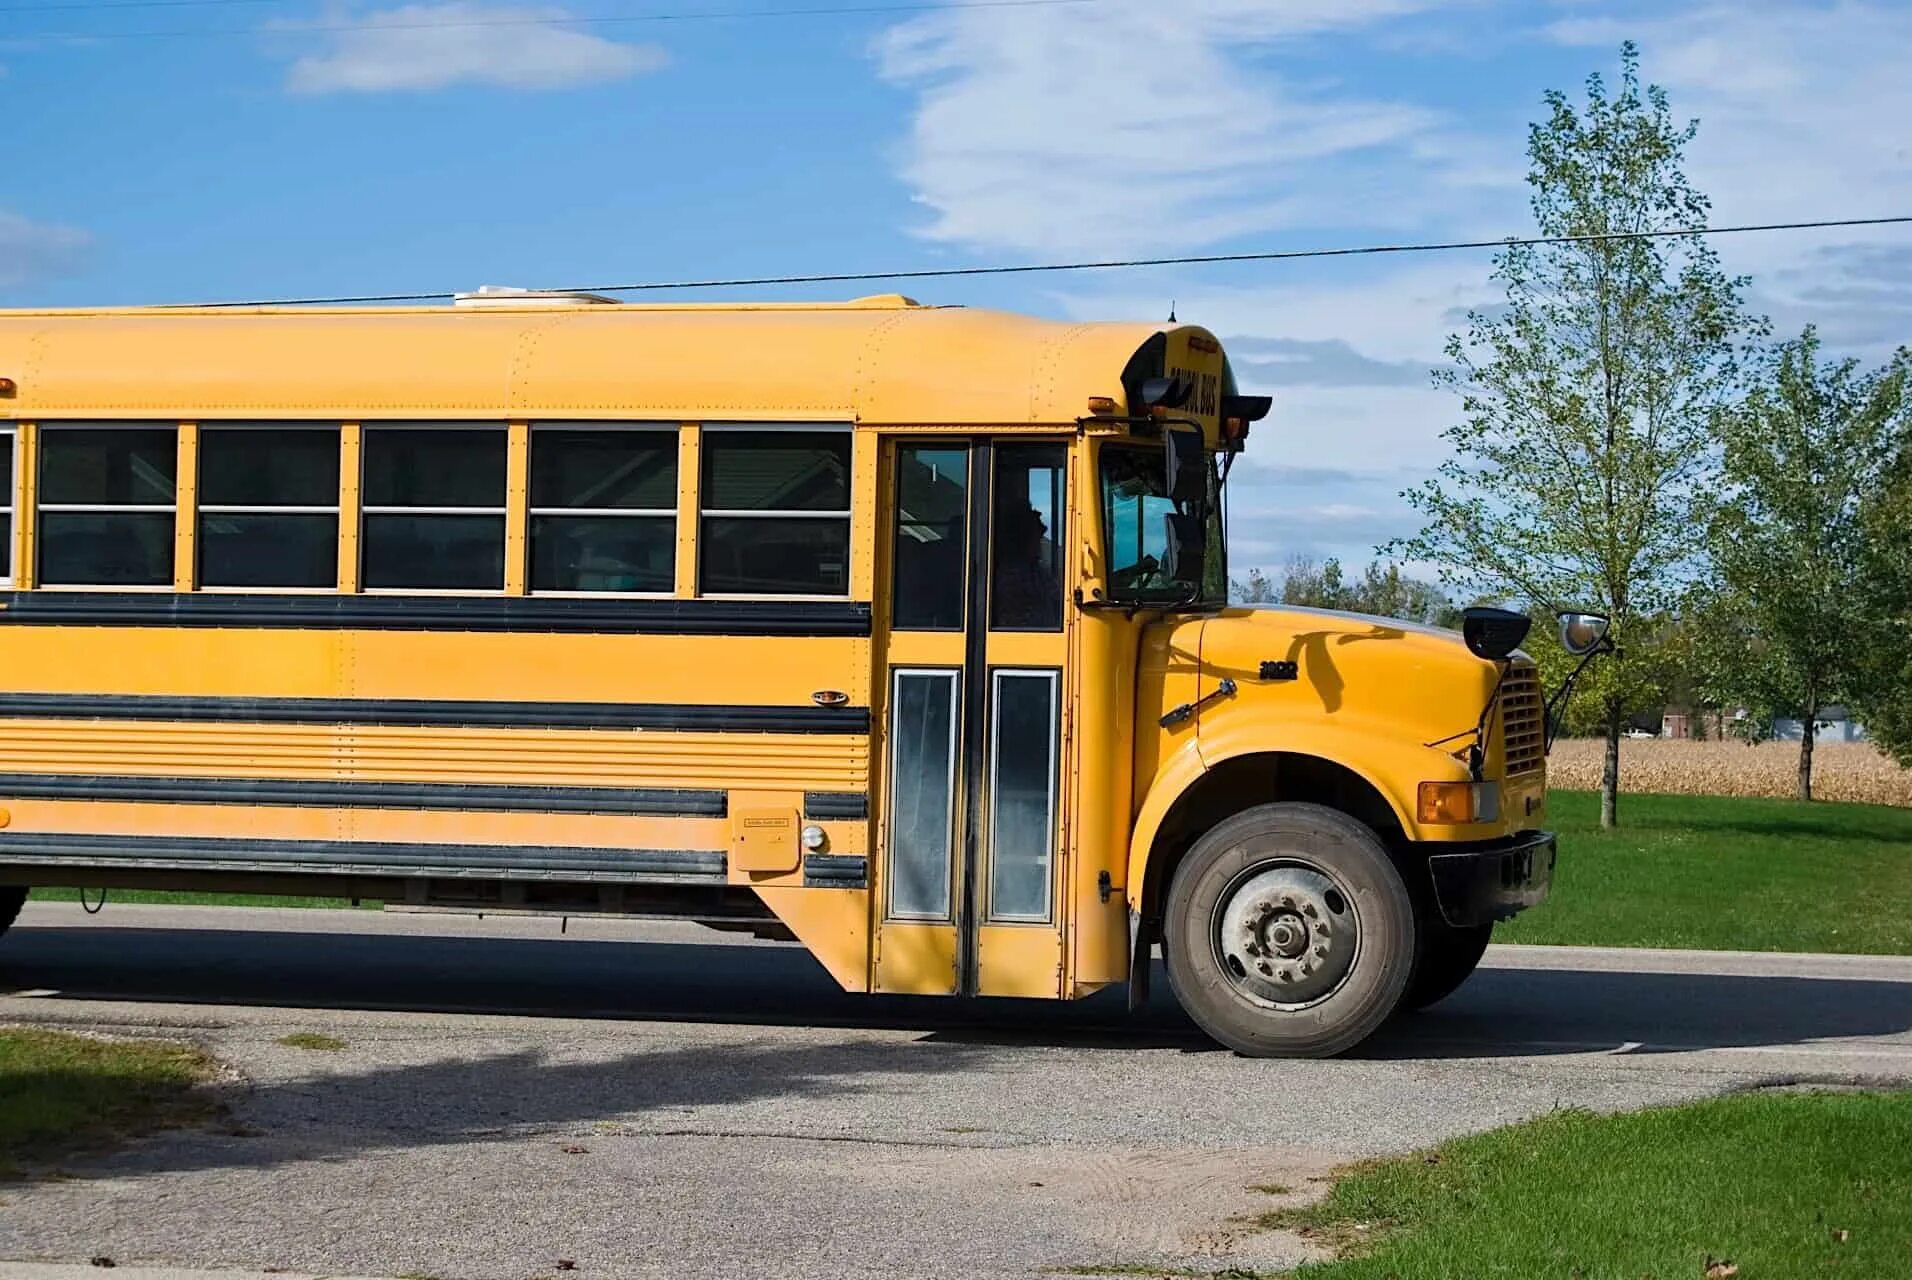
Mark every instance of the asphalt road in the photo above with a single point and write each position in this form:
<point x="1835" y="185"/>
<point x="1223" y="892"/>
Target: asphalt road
<point x="510" y="1098"/>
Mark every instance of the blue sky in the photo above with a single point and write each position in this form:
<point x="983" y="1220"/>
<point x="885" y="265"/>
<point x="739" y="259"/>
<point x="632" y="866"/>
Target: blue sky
<point x="434" y="146"/>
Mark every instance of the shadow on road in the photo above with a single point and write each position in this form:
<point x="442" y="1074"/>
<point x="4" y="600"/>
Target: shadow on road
<point x="1500" y="1012"/>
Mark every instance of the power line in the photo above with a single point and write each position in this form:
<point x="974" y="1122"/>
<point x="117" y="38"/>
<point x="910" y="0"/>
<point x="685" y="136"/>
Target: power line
<point x="860" y="10"/>
<point x="942" y="273"/>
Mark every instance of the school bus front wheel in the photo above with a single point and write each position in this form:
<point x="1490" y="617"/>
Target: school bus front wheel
<point x="1289" y="932"/>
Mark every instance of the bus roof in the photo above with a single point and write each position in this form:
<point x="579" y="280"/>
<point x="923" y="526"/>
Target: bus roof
<point x="881" y="360"/>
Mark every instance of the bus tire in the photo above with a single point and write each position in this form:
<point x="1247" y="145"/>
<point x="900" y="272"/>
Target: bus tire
<point x="1449" y="957"/>
<point x="1289" y="932"/>
<point x="11" y="900"/>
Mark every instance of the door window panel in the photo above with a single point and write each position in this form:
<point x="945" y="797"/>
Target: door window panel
<point x="932" y="517"/>
<point x="1022" y="794"/>
<point x="922" y="792"/>
<point x="1025" y="581"/>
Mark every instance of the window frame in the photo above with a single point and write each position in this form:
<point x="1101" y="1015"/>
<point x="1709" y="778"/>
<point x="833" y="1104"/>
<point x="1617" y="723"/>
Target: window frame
<point x="672" y="429"/>
<point x="370" y="427"/>
<point x="847" y="515"/>
<point x="202" y="509"/>
<point x="9" y="505"/>
<point x="41" y="507"/>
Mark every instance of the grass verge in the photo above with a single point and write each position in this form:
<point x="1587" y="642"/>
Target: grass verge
<point x="1772" y="1184"/>
<point x="62" y="1093"/>
<point x="1727" y="874"/>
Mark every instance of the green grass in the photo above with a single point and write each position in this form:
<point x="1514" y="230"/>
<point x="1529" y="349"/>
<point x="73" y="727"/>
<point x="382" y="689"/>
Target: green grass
<point x="62" y="1093"/>
<point x="1727" y="874"/>
<point x="171" y="898"/>
<point x="1783" y="1185"/>
<point x="312" y="1040"/>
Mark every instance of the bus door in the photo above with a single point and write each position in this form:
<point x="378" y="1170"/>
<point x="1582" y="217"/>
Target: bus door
<point x="970" y="869"/>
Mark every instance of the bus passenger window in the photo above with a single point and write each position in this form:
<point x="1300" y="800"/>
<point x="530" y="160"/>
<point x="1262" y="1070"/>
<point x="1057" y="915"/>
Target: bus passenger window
<point x="603" y="509"/>
<point x="434" y="508"/>
<point x="932" y="510"/>
<point x="7" y="477"/>
<point x="776" y="512"/>
<point x="1025" y="580"/>
<point x="106" y="505"/>
<point x="268" y="506"/>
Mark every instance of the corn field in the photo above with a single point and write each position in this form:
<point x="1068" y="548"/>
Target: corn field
<point x="1840" y="770"/>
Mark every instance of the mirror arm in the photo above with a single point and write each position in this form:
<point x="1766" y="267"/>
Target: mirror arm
<point x="1552" y="718"/>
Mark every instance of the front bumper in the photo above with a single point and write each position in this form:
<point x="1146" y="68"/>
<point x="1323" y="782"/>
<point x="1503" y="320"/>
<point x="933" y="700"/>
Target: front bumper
<point x="1493" y="881"/>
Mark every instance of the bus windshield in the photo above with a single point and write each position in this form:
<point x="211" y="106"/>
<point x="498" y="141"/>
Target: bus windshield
<point x="1134" y="502"/>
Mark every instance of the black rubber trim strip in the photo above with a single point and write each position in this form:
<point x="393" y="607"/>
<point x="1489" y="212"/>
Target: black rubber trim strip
<point x="367" y="795"/>
<point x="437" y="712"/>
<point x="835" y="870"/>
<point x="835" y="804"/>
<point x="975" y="704"/>
<point x="343" y="857"/>
<point x="436" y="613"/>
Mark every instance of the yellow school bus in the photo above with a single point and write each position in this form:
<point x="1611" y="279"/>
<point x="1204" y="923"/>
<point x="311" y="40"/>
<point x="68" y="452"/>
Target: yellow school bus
<point x="897" y="629"/>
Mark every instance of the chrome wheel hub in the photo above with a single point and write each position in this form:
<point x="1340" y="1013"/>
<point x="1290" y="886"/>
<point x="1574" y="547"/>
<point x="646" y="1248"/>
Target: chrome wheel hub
<point x="1287" y="935"/>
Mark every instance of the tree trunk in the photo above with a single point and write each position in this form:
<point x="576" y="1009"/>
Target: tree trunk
<point x="1807" y="730"/>
<point x="1610" y="776"/>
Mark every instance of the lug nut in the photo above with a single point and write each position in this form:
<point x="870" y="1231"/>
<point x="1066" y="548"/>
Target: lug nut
<point x="1322" y="928"/>
<point x="1287" y="975"/>
<point x="1321" y="953"/>
<point x="1309" y="909"/>
<point x="1263" y="966"/>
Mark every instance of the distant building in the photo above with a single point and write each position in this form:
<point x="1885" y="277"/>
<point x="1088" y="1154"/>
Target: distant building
<point x="1835" y="724"/>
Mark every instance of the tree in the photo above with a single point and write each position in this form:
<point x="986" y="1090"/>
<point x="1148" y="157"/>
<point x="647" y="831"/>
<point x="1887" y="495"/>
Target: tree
<point x="1255" y="590"/>
<point x="1586" y="401"/>
<point x="1884" y="700"/>
<point x="1313" y="586"/>
<point x="1788" y="615"/>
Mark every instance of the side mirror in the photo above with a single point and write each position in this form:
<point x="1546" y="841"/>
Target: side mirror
<point x="1185" y="465"/>
<point x="1184" y="557"/>
<point x="1583" y="633"/>
<point x="1493" y="633"/>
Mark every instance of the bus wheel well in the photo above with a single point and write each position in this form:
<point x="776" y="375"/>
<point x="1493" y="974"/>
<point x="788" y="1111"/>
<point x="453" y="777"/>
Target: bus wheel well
<point x="1245" y="781"/>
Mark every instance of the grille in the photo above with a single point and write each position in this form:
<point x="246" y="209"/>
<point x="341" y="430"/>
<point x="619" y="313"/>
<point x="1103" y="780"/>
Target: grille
<point x="1522" y="722"/>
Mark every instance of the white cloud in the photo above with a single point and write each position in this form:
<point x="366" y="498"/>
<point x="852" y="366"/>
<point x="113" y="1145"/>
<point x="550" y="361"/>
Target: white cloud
<point x="434" y="46"/>
<point x="33" y="251"/>
<point x="1147" y="125"/>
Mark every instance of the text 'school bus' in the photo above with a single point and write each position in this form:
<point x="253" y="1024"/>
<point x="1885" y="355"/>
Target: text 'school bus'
<point x="898" y="629"/>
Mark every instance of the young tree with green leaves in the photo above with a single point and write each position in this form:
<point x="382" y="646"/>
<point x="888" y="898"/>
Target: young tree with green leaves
<point x="1586" y="400"/>
<point x="1788" y="619"/>
<point x="1884" y="699"/>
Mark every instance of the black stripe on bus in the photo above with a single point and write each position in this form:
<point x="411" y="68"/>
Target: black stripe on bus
<point x="835" y="804"/>
<point x="349" y="857"/>
<point x="305" y="793"/>
<point x="433" y="712"/>
<point x="436" y="613"/>
<point x="835" y="871"/>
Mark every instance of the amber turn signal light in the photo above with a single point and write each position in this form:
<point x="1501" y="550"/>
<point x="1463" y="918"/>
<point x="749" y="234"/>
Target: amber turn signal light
<point x="8" y="386"/>
<point x="1455" y="804"/>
